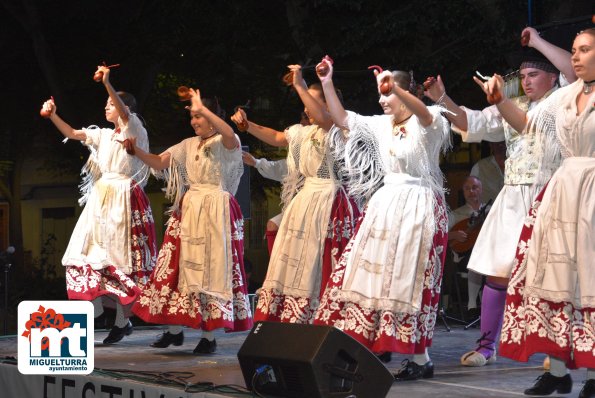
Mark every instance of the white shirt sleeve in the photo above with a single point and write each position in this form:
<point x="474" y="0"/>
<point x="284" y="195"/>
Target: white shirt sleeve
<point x="484" y="125"/>
<point x="272" y="169"/>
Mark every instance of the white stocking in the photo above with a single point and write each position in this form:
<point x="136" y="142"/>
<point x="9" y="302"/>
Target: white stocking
<point x="121" y="321"/>
<point x="557" y="367"/>
<point x="97" y="307"/>
<point x="175" y="329"/>
<point x="421" y="359"/>
<point x="208" y="335"/>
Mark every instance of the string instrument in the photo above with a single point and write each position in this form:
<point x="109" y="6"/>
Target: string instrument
<point x="471" y="226"/>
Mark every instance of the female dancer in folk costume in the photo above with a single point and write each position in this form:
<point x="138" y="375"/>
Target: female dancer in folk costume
<point x="318" y="217"/>
<point x="550" y="307"/>
<point x="112" y="250"/>
<point x="493" y="253"/>
<point x="199" y="280"/>
<point x="385" y="290"/>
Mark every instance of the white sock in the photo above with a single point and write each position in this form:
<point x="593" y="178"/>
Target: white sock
<point x="557" y="367"/>
<point x="473" y="286"/>
<point x="175" y="329"/>
<point x="121" y="321"/>
<point x="97" y="307"/>
<point x="590" y="374"/>
<point x="208" y="335"/>
<point x="421" y="359"/>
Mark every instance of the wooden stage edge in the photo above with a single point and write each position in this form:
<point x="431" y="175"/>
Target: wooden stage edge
<point x="134" y="360"/>
<point x="131" y="369"/>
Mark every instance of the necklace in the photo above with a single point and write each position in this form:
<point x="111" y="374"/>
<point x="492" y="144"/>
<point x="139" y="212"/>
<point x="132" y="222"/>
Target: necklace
<point x="588" y="87"/>
<point x="399" y="128"/>
<point x="402" y="121"/>
<point x="206" y="150"/>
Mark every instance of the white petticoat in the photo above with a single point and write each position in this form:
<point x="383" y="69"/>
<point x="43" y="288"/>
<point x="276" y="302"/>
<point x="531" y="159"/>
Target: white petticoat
<point x="495" y="248"/>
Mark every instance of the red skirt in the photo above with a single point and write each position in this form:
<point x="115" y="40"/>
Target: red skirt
<point x="383" y="330"/>
<point x="161" y="301"/>
<point x="85" y="283"/>
<point x="276" y="306"/>
<point x="534" y="325"/>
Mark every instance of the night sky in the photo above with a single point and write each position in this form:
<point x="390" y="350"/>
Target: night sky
<point x="238" y="51"/>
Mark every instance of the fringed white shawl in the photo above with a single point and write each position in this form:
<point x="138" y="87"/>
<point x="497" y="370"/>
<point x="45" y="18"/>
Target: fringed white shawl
<point x="366" y="160"/>
<point x="111" y="156"/>
<point x="217" y="166"/>
<point x="542" y="124"/>
<point x="297" y="136"/>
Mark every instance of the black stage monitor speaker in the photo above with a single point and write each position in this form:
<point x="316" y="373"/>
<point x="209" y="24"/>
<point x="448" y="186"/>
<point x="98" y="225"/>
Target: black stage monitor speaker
<point x="294" y="360"/>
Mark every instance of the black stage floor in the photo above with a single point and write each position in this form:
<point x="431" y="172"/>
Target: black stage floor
<point x="504" y="378"/>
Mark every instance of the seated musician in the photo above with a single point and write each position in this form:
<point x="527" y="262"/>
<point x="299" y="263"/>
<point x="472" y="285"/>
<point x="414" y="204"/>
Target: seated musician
<point x="461" y="238"/>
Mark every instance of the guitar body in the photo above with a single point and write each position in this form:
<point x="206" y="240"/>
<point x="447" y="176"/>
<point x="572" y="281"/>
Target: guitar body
<point x="471" y="226"/>
<point x="472" y="232"/>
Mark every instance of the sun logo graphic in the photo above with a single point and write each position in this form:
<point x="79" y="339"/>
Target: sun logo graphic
<point x="55" y="337"/>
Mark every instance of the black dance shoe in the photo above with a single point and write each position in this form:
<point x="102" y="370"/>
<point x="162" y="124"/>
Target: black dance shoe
<point x="167" y="338"/>
<point x="413" y="371"/>
<point x="205" y="346"/>
<point x="548" y="383"/>
<point x="588" y="390"/>
<point x="117" y="334"/>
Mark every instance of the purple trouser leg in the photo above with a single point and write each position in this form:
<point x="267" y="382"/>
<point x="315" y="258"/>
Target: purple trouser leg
<point x="492" y="313"/>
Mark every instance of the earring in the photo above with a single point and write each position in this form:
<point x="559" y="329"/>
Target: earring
<point x="402" y="107"/>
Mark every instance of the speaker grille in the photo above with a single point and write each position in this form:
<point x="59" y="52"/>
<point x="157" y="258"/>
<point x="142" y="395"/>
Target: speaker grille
<point x="347" y="363"/>
<point x="291" y="378"/>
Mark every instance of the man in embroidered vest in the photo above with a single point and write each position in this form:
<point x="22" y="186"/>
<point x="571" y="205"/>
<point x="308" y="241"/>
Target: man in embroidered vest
<point x="494" y="252"/>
